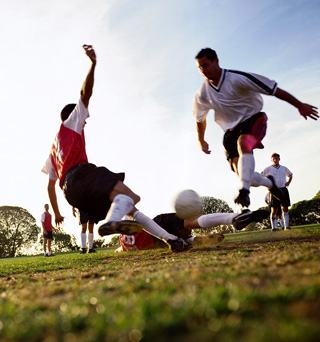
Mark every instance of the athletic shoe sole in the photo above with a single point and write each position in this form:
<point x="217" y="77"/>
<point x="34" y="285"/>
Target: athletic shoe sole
<point x="242" y="220"/>
<point x="126" y="227"/>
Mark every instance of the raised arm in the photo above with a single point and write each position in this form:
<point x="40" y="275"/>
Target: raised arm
<point x="305" y="109"/>
<point x="87" y="87"/>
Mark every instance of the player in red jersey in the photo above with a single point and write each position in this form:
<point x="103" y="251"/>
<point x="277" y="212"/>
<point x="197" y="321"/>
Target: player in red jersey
<point x="46" y="221"/>
<point x="95" y="190"/>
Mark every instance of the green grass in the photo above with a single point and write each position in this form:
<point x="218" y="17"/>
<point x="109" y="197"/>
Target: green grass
<point x="254" y="286"/>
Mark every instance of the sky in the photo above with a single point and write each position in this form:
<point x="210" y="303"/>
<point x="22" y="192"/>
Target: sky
<point x="146" y="78"/>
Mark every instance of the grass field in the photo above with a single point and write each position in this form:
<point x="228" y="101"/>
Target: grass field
<point x="254" y="286"/>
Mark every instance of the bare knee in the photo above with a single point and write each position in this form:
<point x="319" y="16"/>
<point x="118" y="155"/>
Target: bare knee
<point x="246" y="143"/>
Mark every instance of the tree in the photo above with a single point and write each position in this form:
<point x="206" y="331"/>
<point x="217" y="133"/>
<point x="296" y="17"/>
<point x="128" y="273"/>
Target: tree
<point x="18" y="230"/>
<point x="213" y="205"/>
<point x="305" y="212"/>
<point x="114" y="242"/>
<point x="98" y="243"/>
<point x="317" y="195"/>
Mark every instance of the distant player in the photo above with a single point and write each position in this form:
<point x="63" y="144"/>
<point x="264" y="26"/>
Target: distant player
<point x="46" y="221"/>
<point x="95" y="190"/>
<point x="279" y="211"/>
<point x="182" y="228"/>
<point x="235" y="98"/>
<point x="282" y="177"/>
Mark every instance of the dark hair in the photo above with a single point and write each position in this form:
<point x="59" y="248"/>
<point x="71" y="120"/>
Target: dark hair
<point x="66" y="111"/>
<point x="275" y="155"/>
<point x="207" y="52"/>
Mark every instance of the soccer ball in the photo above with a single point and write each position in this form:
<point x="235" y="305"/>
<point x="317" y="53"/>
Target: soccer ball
<point x="188" y="204"/>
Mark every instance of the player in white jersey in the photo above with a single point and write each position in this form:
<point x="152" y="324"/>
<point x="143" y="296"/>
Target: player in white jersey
<point x="235" y="98"/>
<point x="282" y="177"/>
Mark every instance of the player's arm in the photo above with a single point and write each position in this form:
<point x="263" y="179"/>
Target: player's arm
<point x="87" y="87"/>
<point x="54" y="202"/>
<point x="201" y="128"/>
<point x="289" y="181"/>
<point x="305" y="109"/>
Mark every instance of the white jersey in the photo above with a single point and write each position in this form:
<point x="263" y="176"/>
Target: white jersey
<point x="235" y="99"/>
<point x="279" y="173"/>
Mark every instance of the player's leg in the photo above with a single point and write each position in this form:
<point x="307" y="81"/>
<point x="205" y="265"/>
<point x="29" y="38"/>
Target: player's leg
<point x="45" y="246"/>
<point x="49" y="247"/>
<point x="83" y="218"/>
<point x="90" y="237"/>
<point x="274" y="219"/>
<point x="152" y="227"/>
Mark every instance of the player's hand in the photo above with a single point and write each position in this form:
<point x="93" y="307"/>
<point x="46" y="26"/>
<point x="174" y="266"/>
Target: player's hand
<point x="205" y="147"/>
<point x="307" y="110"/>
<point x="90" y="53"/>
<point x="59" y="220"/>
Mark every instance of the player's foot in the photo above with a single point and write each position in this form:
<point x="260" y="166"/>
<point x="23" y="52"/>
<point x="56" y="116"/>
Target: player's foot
<point x="126" y="227"/>
<point x="50" y="255"/>
<point x="287" y="228"/>
<point x="243" y="198"/>
<point x="276" y="192"/>
<point x="84" y="251"/>
<point x="46" y="255"/>
<point x="92" y="250"/>
<point x="178" y="245"/>
<point x="242" y="220"/>
<point x="275" y="229"/>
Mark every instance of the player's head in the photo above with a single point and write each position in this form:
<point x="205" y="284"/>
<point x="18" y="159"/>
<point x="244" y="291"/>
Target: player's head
<point x="208" y="64"/>
<point x="207" y="52"/>
<point x="46" y="207"/>
<point x="275" y="158"/>
<point x="66" y="111"/>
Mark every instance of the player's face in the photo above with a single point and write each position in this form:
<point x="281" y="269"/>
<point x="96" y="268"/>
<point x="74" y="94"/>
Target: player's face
<point x="209" y="69"/>
<point x="275" y="161"/>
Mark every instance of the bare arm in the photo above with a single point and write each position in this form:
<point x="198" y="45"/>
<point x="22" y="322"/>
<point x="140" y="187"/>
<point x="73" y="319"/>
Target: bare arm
<point x="289" y="181"/>
<point x="305" y="109"/>
<point x="87" y="87"/>
<point x="54" y="202"/>
<point x="201" y="128"/>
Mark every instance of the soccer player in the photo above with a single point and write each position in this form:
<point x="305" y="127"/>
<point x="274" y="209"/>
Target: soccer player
<point x="46" y="221"/>
<point x="182" y="228"/>
<point x="95" y="190"/>
<point x="235" y="98"/>
<point x="86" y="223"/>
<point x="282" y="177"/>
<point x="279" y="212"/>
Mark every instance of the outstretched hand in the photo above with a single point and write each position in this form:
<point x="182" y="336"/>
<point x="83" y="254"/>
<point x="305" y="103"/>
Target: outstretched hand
<point x="307" y="110"/>
<point x="59" y="220"/>
<point x="90" y="53"/>
<point x="205" y="147"/>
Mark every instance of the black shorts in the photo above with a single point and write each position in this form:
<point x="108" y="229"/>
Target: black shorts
<point x="88" y="187"/>
<point x="85" y="217"/>
<point x="256" y="126"/>
<point x="173" y="225"/>
<point x="275" y="203"/>
<point x="48" y="235"/>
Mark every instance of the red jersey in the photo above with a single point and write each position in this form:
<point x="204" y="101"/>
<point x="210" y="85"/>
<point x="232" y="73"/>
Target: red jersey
<point x="135" y="242"/>
<point x="46" y="219"/>
<point x="68" y="150"/>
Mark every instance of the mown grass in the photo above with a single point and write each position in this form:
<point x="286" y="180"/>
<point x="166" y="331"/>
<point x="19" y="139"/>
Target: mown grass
<point x="254" y="286"/>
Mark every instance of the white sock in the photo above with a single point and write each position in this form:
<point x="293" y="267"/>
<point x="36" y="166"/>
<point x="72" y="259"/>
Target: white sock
<point x="258" y="179"/>
<point x="286" y="219"/>
<point x="190" y="240"/>
<point x="212" y="220"/>
<point x="90" y="240"/>
<point x="83" y="240"/>
<point x="50" y="253"/>
<point x="282" y="223"/>
<point x="274" y="221"/>
<point x="246" y="166"/>
<point x="152" y="227"/>
<point x="121" y="205"/>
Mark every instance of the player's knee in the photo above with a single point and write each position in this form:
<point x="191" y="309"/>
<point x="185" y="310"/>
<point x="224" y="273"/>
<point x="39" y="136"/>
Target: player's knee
<point x="246" y="143"/>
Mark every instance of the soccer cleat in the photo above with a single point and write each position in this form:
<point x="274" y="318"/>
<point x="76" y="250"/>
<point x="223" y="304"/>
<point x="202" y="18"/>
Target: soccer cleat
<point x="92" y="250"/>
<point x="287" y="228"/>
<point x="276" y="192"/>
<point x="242" y="220"/>
<point x="243" y="198"/>
<point x="84" y="251"/>
<point x="46" y="255"/>
<point x="178" y="245"/>
<point x="126" y="227"/>
<point x="275" y="229"/>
